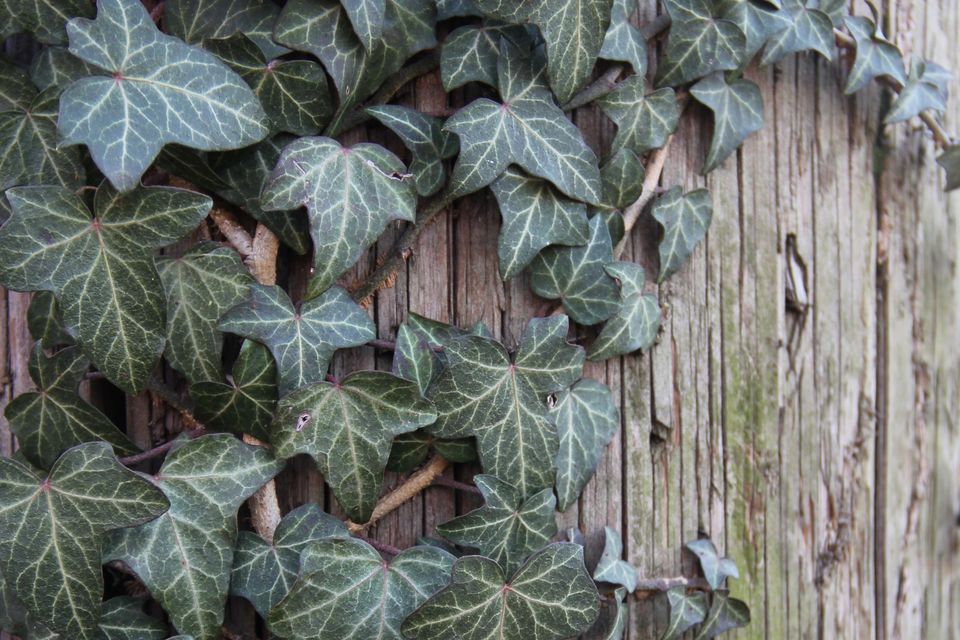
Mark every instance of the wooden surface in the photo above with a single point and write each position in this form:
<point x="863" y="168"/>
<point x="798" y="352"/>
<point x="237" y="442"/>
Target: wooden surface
<point x="816" y="442"/>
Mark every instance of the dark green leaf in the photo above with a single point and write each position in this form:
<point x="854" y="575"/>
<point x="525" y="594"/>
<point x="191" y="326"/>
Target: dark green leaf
<point x="153" y="90"/>
<point x="876" y="56"/>
<point x="623" y="41"/>
<point x="360" y="415"/>
<point x="575" y="276"/>
<point x="757" y="20"/>
<point x="424" y="136"/>
<point x="808" y="29"/>
<point x="414" y="359"/>
<point x="534" y="216"/>
<point x="200" y="286"/>
<point x="470" y="53"/>
<point x="101" y="269"/>
<point x="550" y="597"/>
<point x="622" y="177"/>
<point x="926" y="88"/>
<point x="51" y="531"/>
<point x="715" y="569"/>
<point x="264" y="572"/>
<point x="636" y="323"/>
<point x="351" y="193"/>
<point x="302" y="341"/>
<point x="686" y="610"/>
<point x="184" y="557"/>
<point x="408" y="451"/>
<point x="700" y="42"/>
<point x="29" y="152"/>
<point x="643" y="122"/>
<point x="587" y="419"/>
<point x="618" y="629"/>
<point x="508" y="527"/>
<point x="322" y="28"/>
<point x="123" y="618"/>
<point x="367" y="17"/>
<point x="246" y="401"/>
<point x="346" y="590"/>
<point x="685" y="219"/>
<point x="244" y="173"/>
<point x="837" y="10"/>
<point x="199" y="20"/>
<point x="726" y="613"/>
<point x="573" y="30"/>
<point x="57" y="67"/>
<point x="611" y="568"/>
<point x="292" y="92"/>
<point x="447" y="9"/>
<point x="483" y="393"/>
<point x="54" y="419"/>
<point x="16" y="91"/>
<point x="950" y="161"/>
<point x="737" y="112"/>
<point x="44" y="321"/>
<point x="45" y="19"/>
<point x="528" y="129"/>
<point x="458" y="451"/>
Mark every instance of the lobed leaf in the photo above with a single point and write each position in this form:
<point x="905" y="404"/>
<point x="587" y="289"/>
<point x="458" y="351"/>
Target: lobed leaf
<point x="623" y="41"/>
<point x="876" y="56"/>
<point x="725" y="613"/>
<point x="45" y="19"/>
<point x="715" y="569"/>
<point x="700" y="42"/>
<point x="367" y="17"/>
<point x="44" y="321"/>
<point x="426" y="140"/>
<point x="759" y="20"/>
<point x="926" y="88"/>
<point x="622" y="176"/>
<point x="610" y="568"/>
<point x="636" y="323"/>
<point x="686" y="610"/>
<point x="198" y="20"/>
<point x="737" y="112"/>
<point x="950" y="161"/>
<point x="644" y="122"/>
<point x="808" y="29"/>
<point x="685" y="219"/>
<point x="470" y="53"/>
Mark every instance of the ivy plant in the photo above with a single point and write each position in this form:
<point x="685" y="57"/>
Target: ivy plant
<point x="164" y="165"/>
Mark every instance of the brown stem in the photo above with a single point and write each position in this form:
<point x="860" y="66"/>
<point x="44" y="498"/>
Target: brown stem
<point x="665" y="584"/>
<point x="631" y="214"/>
<point x="444" y="481"/>
<point x="172" y="399"/>
<point x="381" y="546"/>
<point x="262" y="260"/>
<point x="233" y="231"/>
<point x="410" y="487"/>
<point x="158" y="450"/>
<point x="387" y="270"/>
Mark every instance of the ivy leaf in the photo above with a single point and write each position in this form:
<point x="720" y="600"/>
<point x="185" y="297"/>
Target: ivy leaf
<point x="424" y="136"/>
<point x="757" y="20"/>
<point x="347" y="590"/>
<point x="16" y="90"/>
<point x="575" y="275"/>
<point x="244" y="173"/>
<point x="484" y="393"/>
<point x="699" y="43"/>
<point x="470" y="53"/>
<point x="184" y="557"/>
<point x="293" y="93"/>
<point x="950" y="161"/>
<point x="508" y="527"/>
<point x="726" y="613"/>
<point x="57" y="67"/>
<point x="715" y="569"/>
<point x="534" y="216"/>
<point x="29" y="152"/>
<point x="302" y="341"/>
<point x="414" y="359"/>
<point x="611" y="568"/>
<point x="45" y="19"/>
<point x="622" y="176"/>
<point x="572" y="29"/>
<point x="528" y="129"/>
<point x="44" y="321"/>
<point x="643" y="122"/>
<point x="635" y="324"/>
<point x="200" y="286"/>
<point x="549" y="597"/>
<point x="350" y="193"/>
<point x="737" y="112"/>
<point x="447" y="9"/>
<point x="246" y="401"/>
<point x="808" y="29"/>
<point x="49" y="421"/>
<point x="624" y="42"/>
<point x="685" y="219"/>
<point x="410" y="450"/>
<point x="101" y="269"/>
<point x="619" y="627"/>
<point x="323" y="28"/>
<point x="199" y="20"/>
<point x="153" y="90"/>
<point x="686" y="610"/>
<point x="123" y="618"/>
<point x="264" y="572"/>
<point x="876" y="56"/>
<point x="51" y="530"/>
<point x="587" y="419"/>
<point x="926" y="88"/>
<point x="367" y="17"/>
<point x="361" y="414"/>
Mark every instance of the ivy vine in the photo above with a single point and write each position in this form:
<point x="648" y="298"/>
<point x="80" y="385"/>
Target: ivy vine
<point x="128" y="127"/>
